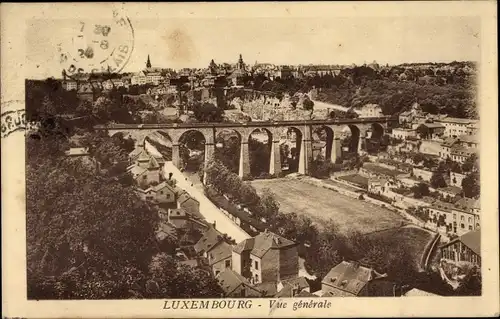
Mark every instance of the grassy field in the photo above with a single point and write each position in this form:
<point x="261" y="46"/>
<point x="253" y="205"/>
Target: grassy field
<point x="322" y="204"/>
<point x="413" y="238"/>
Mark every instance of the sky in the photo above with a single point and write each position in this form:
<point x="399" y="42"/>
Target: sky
<point x="177" y="43"/>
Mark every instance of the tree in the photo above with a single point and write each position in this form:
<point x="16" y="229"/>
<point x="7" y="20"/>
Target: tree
<point x="208" y="112"/>
<point x="471" y="186"/>
<point x="437" y="180"/>
<point x="420" y="190"/>
<point x="417" y="158"/>
<point x="308" y="105"/>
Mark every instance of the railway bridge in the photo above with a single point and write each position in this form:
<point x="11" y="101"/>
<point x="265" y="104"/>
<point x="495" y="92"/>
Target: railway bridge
<point x="302" y="129"/>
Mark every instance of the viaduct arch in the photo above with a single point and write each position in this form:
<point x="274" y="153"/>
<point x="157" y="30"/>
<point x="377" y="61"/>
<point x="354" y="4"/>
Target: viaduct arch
<point x="210" y="131"/>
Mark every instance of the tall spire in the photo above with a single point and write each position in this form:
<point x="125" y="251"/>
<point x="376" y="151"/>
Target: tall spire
<point x="148" y="63"/>
<point x="241" y="64"/>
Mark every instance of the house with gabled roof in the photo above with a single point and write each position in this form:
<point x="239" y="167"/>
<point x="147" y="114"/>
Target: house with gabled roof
<point x="464" y="249"/>
<point x="266" y="257"/>
<point x="352" y="279"/>
<point x="235" y="285"/>
<point x="189" y="204"/>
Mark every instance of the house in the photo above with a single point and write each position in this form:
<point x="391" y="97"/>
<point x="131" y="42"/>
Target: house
<point x="237" y="77"/>
<point x="432" y="130"/>
<point x="461" y="217"/>
<point x="378" y="186"/>
<point x="69" y="85"/>
<point x="182" y="220"/>
<point x="266" y="257"/>
<point x="422" y="173"/>
<point x="268" y="289"/>
<point x="165" y="231"/>
<point x="466" y="248"/>
<point x="352" y="279"/>
<point x="468" y="141"/>
<point x="456" y="179"/>
<point x="450" y="191"/>
<point x="372" y="170"/>
<point x="404" y="133"/>
<point x="208" y="241"/>
<point x="77" y="151"/>
<point x="473" y="128"/>
<point x="469" y="211"/>
<point x="138" y="78"/>
<point x="405" y="117"/>
<point x="446" y="146"/>
<point x="460" y="154"/>
<point x="145" y="171"/>
<point x="371" y="110"/>
<point x="189" y="204"/>
<point x="86" y="92"/>
<point x="298" y="283"/>
<point x="235" y="285"/>
<point x="160" y="194"/>
<point x="220" y="257"/>
<point x="456" y="126"/>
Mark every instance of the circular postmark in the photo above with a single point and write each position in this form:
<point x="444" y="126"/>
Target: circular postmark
<point x="96" y="46"/>
<point x="13" y="117"/>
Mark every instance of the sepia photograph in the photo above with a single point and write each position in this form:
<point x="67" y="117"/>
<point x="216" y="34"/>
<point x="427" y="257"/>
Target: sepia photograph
<point x="208" y="161"/>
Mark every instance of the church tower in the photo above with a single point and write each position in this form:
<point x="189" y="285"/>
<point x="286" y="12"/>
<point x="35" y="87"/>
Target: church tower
<point x="241" y="64"/>
<point x="148" y="63"/>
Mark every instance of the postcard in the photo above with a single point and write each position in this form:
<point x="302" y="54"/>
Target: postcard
<point x="240" y="160"/>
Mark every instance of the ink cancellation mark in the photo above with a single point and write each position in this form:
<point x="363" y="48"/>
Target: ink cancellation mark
<point x="13" y="117"/>
<point x="97" y="46"/>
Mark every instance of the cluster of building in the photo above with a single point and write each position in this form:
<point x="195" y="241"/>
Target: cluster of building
<point x="267" y="265"/>
<point x="440" y="135"/>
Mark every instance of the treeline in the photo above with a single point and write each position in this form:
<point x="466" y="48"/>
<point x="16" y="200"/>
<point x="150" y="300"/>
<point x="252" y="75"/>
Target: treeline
<point x="88" y="234"/>
<point x="394" y="89"/>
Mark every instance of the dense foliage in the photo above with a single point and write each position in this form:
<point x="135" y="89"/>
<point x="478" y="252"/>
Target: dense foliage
<point x="89" y="236"/>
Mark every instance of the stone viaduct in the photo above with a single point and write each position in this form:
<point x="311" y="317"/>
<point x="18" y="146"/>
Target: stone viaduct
<point x="303" y="130"/>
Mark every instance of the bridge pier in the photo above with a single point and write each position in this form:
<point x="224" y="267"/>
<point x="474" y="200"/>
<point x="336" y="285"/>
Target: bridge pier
<point x="275" y="160"/>
<point x="336" y="149"/>
<point x="176" y="158"/>
<point x="244" y="167"/>
<point x="305" y="151"/>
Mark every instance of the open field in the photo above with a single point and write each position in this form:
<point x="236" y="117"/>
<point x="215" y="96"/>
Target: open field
<point x="322" y="204"/>
<point x="414" y="239"/>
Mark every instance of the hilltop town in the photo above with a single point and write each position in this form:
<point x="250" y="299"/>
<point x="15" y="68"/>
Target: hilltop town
<point x="255" y="180"/>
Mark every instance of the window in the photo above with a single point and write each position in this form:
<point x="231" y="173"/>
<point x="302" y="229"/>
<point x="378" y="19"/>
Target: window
<point x="168" y="196"/>
<point x="256" y="265"/>
<point x="256" y="278"/>
<point x="217" y="273"/>
<point x="470" y="227"/>
<point x="144" y="177"/>
<point x="228" y="263"/>
<point x="242" y="292"/>
<point x="454" y="216"/>
<point x="477" y="225"/>
<point x="161" y="192"/>
<point x="470" y="220"/>
<point x="462" y="225"/>
<point x="462" y="218"/>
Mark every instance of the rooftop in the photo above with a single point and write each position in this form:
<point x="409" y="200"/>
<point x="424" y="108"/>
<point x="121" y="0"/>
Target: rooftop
<point x="350" y="277"/>
<point x="382" y="170"/>
<point x="229" y="280"/>
<point x="221" y="252"/>
<point x="263" y="242"/>
<point x="457" y="120"/>
<point x="208" y="241"/>
<point x="471" y="239"/>
<point x="468" y="203"/>
<point x="77" y="151"/>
